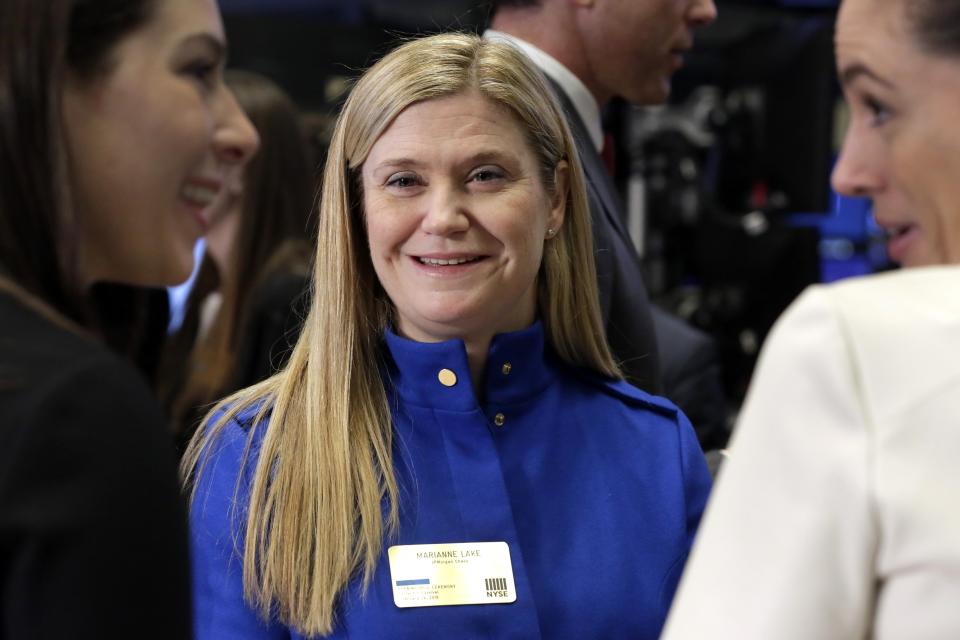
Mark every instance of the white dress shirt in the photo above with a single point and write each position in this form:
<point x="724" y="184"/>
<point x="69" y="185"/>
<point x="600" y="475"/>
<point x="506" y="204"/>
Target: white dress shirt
<point x="583" y="101"/>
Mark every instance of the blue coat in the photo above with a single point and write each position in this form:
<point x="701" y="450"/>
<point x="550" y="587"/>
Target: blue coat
<point x="595" y="486"/>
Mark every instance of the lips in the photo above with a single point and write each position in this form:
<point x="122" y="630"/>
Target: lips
<point x="676" y="56"/>
<point x="199" y="194"/>
<point x="681" y="48"/>
<point x="900" y="238"/>
<point x="449" y="264"/>
<point x="897" y="231"/>
<point x="902" y="234"/>
<point x="441" y="262"/>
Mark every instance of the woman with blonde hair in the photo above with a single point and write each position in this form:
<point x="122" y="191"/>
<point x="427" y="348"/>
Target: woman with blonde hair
<point x="450" y="450"/>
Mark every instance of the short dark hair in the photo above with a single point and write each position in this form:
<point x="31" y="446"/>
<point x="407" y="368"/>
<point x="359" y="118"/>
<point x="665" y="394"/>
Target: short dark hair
<point x="40" y="43"/>
<point x="935" y="24"/>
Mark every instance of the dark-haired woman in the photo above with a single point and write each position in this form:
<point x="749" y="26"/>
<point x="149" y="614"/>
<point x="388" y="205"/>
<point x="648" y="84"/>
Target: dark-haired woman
<point x="115" y="130"/>
<point x="836" y="515"/>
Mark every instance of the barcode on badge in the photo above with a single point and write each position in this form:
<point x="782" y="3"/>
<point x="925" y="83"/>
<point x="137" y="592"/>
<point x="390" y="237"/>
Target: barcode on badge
<point x="496" y="584"/>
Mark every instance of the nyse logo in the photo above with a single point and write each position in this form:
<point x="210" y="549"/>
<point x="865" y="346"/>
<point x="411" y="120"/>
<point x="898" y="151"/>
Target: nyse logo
<point x="496" y="587"/>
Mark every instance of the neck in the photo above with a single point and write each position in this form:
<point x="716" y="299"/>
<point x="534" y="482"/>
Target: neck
<point x="220" y="241"/>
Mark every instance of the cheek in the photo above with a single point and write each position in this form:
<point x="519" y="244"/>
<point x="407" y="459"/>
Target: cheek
<point x="947" y="195"/>
<point x="533" y="241"/>
<point x="945" y="219"/>
<point x="659" y="23"/>
<point x="371" y="223"/>
<point x="927" y="172"/>
<point x="527" y="241"/>
<point x="385" y="229"/>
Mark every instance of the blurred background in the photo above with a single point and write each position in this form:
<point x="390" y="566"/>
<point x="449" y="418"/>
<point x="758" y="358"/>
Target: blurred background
<point x="726" y="188"/>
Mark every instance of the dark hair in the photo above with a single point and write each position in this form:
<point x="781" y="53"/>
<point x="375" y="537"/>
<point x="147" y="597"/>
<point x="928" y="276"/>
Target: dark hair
<point x="278" y="181"/>
<point x="935" y="24"/>
<point x="40" y="43"/>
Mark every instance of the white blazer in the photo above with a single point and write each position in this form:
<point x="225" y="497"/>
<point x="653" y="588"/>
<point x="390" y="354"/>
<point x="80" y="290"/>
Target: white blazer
<point x="837" y="514"/>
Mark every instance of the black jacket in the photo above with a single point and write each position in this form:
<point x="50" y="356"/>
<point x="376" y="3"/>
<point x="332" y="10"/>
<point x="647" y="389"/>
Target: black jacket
<point x="623" y="297"/>
<point x="692" y="377"/>
<point x="93" y="540"/>
<point x="658" y="352"/>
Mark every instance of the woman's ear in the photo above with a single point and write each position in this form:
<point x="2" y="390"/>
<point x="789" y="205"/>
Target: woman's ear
<point x="558" y="203"/>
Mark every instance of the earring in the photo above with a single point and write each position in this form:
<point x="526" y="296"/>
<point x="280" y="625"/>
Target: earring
<point x="550" y="233"/>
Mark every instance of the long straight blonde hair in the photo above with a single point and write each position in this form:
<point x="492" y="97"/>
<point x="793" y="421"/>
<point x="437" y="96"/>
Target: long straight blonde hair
<point x="315" y="517"/>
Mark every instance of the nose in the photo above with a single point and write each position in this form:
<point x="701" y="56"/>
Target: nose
<point x="857" y="172"/>
<point x="446" y="212"/>
<point x="235" y="140"/>
<point x="702" y="13"/>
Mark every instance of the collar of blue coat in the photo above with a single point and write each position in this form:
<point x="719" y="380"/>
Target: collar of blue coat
<point x="414" y="370"/>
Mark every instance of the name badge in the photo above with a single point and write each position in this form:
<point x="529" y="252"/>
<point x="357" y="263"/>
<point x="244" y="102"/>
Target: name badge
<point x="437" y="575"/>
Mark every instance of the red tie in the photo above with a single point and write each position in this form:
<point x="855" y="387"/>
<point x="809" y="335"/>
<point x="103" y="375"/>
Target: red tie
<point x="609" y="154"/>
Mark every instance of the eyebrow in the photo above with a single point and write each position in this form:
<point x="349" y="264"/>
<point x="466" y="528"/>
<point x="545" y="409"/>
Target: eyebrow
<point x="850" y="73"/>
<point x="490" y="156"/>
<point x="208" y="40"/>
<point x="479" y="157"/>
<point x="397" y="162"/>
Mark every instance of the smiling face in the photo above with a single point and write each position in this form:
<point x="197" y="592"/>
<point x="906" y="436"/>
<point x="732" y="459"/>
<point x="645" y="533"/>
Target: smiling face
<point x="902" y="148"/>
<point x="457" y="216"/>
<point x="152" y="145"/>
<point x="633" y="47"/>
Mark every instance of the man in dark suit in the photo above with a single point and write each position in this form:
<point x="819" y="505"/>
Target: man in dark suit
<point x="591" y="51"/>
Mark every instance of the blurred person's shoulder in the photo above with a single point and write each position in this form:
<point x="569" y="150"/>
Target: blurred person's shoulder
<point x="883" y="306"/>
<point x="84" y="450"/>
<point x="894" y="333"/>
<point x="915" y="284"/>
<point x="58" y="383"/>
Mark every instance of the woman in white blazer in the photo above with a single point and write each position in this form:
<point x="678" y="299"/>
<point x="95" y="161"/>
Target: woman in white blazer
<point x="838" y="512"/>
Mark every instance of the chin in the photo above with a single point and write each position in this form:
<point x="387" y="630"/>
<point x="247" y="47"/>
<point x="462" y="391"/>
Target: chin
<point x="921" y="261"/>
<point x="439" y="325"/>
<point x="651" y="95"/>
<point x="447" y="326"/>
<point x="172" y="273"/>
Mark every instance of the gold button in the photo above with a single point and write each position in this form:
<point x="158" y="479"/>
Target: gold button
<point x="506" y="368"/>
<point x="499" y="419"/>
<point x="447" y="378"/>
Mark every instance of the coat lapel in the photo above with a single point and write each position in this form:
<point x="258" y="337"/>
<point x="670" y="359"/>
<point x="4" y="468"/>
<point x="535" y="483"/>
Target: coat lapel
<point x="597" y="177"/>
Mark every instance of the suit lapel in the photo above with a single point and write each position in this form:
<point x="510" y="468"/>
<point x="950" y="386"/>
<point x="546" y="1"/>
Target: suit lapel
<point x="597" y="176"/>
